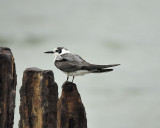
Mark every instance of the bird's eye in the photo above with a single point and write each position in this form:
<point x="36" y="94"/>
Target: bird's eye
<point x="58" y="50"/>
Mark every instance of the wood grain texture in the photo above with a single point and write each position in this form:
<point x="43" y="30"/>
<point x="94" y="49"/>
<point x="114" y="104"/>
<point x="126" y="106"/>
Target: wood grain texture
<point x="8" y="82"/>
<point x="70" y="110"/>
<point x="39" y="96"/>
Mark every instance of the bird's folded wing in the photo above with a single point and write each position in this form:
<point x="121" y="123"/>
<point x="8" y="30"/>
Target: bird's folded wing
<point x="72" y="57"/>
<point x="70" y="62"/>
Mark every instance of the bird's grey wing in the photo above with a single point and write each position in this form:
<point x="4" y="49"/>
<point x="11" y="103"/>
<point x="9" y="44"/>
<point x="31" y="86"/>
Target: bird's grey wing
<point x="70" y="62"/>
<point x="73" y="57"/>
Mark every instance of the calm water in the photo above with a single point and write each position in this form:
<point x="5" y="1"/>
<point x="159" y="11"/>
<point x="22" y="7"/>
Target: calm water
<point x="102" y="32"/>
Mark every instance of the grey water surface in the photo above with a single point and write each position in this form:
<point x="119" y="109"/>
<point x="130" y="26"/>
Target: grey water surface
<point x="102" y="32"/>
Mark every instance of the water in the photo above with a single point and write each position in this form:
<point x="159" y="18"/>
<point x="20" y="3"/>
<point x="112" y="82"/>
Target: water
<point x="102" y="32"/>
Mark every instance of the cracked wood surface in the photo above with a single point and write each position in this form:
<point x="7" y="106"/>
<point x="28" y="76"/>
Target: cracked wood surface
<point x="70" y="109"/>
<point x="8" y="82"/>
<point x="39" y="96"/>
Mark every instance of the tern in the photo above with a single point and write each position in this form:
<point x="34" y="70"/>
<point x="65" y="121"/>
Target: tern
<point x="73" y="65"/>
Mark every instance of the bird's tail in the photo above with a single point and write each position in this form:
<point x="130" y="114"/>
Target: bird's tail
<point x="99" y="68"/>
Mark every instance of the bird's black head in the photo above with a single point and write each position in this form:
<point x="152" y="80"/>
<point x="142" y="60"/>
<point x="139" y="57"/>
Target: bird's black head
<point x="59" y="49"/>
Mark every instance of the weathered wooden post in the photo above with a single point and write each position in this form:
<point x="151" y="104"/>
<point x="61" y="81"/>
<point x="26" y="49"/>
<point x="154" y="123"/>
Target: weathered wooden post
<point x="39" y="96"/>
<point x="8" y="81"/>
<point x="71" y="112"/>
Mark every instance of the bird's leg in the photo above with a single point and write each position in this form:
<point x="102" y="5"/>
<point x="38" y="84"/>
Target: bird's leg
<point x="67" y="78"/>
<point x="73" y="79"/>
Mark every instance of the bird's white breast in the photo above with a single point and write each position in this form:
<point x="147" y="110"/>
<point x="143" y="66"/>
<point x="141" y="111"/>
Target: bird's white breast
<point x="77" y="73"/>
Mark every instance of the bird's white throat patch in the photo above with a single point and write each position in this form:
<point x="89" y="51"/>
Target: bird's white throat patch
<point x="56" y="55"/>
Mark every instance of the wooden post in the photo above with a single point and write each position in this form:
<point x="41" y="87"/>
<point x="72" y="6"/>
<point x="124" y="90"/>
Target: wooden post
<point x="39" y="96"/>
<point x="8" y="81"/>
<point x="71" y="112"/>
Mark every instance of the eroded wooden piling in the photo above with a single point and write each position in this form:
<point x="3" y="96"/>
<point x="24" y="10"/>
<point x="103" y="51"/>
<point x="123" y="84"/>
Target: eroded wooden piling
<point x="39" y="96"/>
<point x="8" y="81"/>
<point x="71" y="112"/>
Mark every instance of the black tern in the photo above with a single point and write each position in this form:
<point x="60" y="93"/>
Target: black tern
<point x="73" y="65"/>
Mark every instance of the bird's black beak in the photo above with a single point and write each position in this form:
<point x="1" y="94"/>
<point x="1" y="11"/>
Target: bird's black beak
<point x="49" y="52"/>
